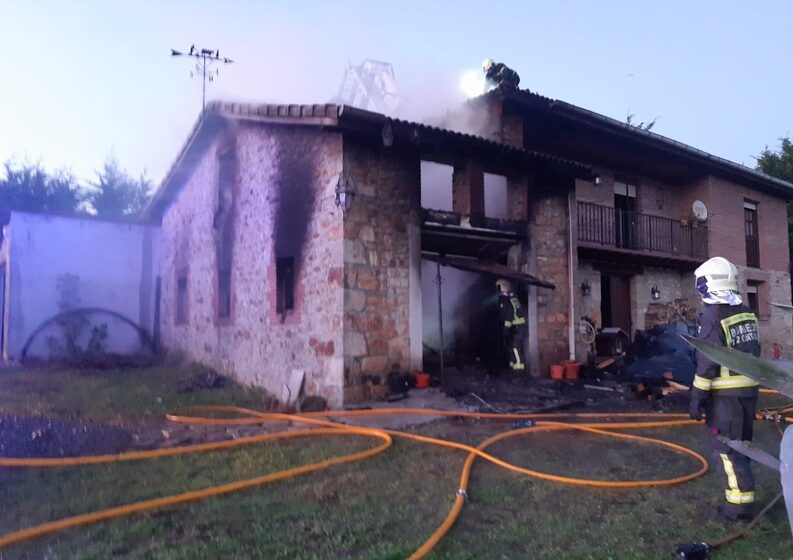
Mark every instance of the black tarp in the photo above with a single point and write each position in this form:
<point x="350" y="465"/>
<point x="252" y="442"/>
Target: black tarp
<point x="659" y="350"/>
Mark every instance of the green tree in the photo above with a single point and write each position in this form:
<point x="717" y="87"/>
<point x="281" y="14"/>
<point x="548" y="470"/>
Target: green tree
<point x="29" y="187"/>
<point x="115" y="194"/>
<point x="780" y="165"/>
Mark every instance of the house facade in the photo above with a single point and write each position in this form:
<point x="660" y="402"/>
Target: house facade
<point x="293" y="238"/>
<point x="347" y="244"/>
<point x="636" y="234"/>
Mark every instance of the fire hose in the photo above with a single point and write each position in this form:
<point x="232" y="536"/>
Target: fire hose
<point x="320" y="425"/>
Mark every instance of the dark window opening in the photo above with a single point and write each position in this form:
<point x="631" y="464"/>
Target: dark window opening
<point x="224" y="224"/>
<point x="752" y="234"/>
<point x="224" y="274"/>
<point x="225" y="182"/>
<point x="624" y="214"/>
<point x="224" y="293"/>
<point x="181" y="300"/>
<point x="753" y="297"/>
<point x="284" y="284"/>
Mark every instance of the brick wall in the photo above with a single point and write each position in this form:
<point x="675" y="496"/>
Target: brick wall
<point x="725" y="201"/>
<point x="548" y="239"/>
<point x="670" y="283"/>
<point x="652" y="197"/>
<point x="377" y="267"/>
<point x="257" y="345"/>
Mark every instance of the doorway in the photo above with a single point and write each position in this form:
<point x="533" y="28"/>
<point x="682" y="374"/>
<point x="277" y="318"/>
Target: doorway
<point x="615" y="301"/>
<point x="624" y="214"/>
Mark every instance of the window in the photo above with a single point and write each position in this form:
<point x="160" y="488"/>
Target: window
<point x="224" y="223"/>
<point x="181" y="299"/>
<point x="225" y="181"/>
<point x="496" y="196"/>
<point x="753" y="296"/>
<point x="284" y="284"/>
<point x="436" y="186"/>
<point x="752" y="233"/>
<point x="224" y="272"/>
<point x="224" y="292"/>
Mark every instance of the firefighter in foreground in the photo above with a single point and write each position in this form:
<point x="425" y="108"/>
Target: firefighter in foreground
<point x="728" y="399"/>
<point x="500" y="75"/>
<point x="513" y="321"/>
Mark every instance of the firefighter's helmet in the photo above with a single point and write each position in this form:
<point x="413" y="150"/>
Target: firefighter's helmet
<point x="487" y="64"/>
<point x="716" y="275"/>
<point x="503" y="285"/>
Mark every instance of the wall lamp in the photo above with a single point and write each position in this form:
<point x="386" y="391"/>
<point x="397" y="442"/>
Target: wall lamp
<point x="655" y="293"/>
<point x="345" y="192"/>
<point x="586" y="290"/>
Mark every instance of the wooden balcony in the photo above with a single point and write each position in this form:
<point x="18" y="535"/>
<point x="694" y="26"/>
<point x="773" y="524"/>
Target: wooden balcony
<point x="642" y="237"/>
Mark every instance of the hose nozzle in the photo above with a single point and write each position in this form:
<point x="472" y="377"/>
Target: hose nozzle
<point x="693" y="551"/>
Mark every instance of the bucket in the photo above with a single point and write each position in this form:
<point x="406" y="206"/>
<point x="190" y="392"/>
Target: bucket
<point x="571" y="369"/>
<point x="422" y="379"/>
<point x="557" y="371"/>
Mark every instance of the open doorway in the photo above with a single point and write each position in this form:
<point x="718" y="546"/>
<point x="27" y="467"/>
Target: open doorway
<point x="471" y="334"/>
<point x="615" y="301"/>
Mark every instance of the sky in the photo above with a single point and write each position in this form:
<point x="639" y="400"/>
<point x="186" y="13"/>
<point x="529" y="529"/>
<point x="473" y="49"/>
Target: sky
<point x="82" y="81"/>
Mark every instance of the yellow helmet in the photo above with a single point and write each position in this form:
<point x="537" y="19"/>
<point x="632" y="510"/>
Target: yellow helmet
<point x="487" y="64"/>
<point x="503" y="285"/>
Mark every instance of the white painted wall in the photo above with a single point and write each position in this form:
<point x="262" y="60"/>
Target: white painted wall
<point x="116" y="266"/>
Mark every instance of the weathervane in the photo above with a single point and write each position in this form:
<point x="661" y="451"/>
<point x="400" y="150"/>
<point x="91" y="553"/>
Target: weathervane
<point x="205" y="56"/>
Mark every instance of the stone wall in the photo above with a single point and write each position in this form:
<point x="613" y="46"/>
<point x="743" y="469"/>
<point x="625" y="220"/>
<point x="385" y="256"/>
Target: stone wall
<point x="377" y="264"/>
<point x="669" y="284"/>
<point x="283" y="175"/>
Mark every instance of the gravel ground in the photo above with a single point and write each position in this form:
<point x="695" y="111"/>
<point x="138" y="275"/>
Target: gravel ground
<point x="30" y="436"/>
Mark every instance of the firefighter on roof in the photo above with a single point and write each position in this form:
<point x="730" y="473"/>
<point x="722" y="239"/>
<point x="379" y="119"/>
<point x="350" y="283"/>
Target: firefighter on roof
<point x="513" y="323"/>
<point x="728" y="398"/>
<point x="500" y="75"/>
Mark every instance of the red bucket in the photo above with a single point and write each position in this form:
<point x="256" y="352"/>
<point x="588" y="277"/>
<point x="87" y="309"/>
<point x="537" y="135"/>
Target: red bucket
<point x="422" y="379"/>
<point x="571" y="369"/>
<point x="557" y="371"/>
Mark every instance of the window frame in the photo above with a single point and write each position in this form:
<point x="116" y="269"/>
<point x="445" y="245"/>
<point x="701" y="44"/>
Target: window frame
<point x="182" y="306"/>
<point x="751" y="217"/>
<point x="285" y="285"/>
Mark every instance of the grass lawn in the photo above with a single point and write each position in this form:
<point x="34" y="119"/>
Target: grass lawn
<point x="382" y="508"/>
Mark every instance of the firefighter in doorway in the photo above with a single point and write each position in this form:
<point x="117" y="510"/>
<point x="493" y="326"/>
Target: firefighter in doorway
<point x="728" y="398"/>
<point x="513" y="322"/>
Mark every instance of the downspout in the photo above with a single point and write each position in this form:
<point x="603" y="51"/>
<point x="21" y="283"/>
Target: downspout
<point x="570" y="278"/>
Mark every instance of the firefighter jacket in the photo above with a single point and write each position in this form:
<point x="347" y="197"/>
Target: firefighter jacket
<point x="511" y="311"/>
<point x="502" y="75"/>
<point x="733" y="326"/>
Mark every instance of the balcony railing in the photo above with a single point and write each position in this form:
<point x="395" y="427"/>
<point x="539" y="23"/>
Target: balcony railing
<point x="635" y="231"/>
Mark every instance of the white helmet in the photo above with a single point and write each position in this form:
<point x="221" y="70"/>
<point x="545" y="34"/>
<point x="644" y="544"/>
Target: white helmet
<point x="716" y="275"/>
<point x="503" y="285"/>
<point x="487" y="64"/>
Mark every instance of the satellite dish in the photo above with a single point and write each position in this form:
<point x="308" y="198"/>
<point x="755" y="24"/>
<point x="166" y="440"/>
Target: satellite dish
<point x="700" y="210"/>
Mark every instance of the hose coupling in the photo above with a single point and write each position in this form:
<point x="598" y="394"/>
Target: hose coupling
<point x="463" y="492"/>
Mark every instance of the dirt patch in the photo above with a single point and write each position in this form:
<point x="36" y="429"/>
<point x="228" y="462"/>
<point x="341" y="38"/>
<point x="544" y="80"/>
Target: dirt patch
<point x="32" y="436"/>
<point x="521" y="393"/>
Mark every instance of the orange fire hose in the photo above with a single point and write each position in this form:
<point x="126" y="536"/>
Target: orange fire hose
<point x="323" y="427"/>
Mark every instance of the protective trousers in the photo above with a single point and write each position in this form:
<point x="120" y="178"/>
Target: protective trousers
<point x="514" y="338"/>
<point x="733" y="417"/>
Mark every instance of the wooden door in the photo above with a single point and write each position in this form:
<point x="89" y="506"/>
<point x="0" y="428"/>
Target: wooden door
<point x="616" y="302"/>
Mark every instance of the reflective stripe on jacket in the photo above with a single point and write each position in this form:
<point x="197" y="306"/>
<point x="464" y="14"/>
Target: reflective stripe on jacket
<point x="733" y="326"/>
<point x="511" y="310"/>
